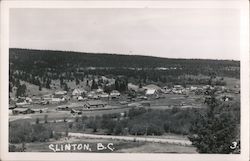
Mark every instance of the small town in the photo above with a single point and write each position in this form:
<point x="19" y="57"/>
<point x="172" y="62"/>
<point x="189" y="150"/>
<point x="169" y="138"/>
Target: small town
<point x="79" y="100"/>
<point x="135" y="109"/>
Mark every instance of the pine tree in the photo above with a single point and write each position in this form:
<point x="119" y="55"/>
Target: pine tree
<point x="87" y="83"/>
<point x="94" y="85"/>
<point x="48" y="83"/>
<point x="77" y="81"/>
<point x="21" y="90"/>
<point x="215" y="130"/>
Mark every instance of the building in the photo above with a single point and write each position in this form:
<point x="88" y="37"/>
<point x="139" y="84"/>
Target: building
<point x="75" y="111"/>
<point x="151" y="92"/>
<point x="133" y="87"/>
<point x="78" y="92"/>
<point x="115" y="94"/>
<point x="95" y="104"/>
<point x="166" y="90"/>
<point x="136" y="104"/>
<point x="47" y="97"/>
<point x="17" y="111"/>
<point x="99" y="90"/>
<point x="80" y="98"/>
<point x="61" y="93"/>
<point x="92" y="94"/>
<point x="151" y="89"/>
<point x="36" y="100"/>
<point x="64" y="108"/>
<point x="22" y="103"/>
<point x="152" y="86"/>
<point x="57" y="99"/>
<point x="177" y="89"/>
<point x="40" y="110"/>
<point x="104" y="95"/>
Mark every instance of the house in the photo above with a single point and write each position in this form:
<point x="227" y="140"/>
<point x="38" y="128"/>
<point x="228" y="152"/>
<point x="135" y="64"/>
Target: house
<point x="152" y="86"/>
<point x="151" y="89"/>
<point x="22" y="103"/>
<point x="12" y="107"/>
<point x="199" y="91"/>
<point x="99" y="90"/>
<point x="104" y="78"/>
<point x="57" y="99"/>
<point x="28" y="99"/>
<point x="166" y="90"/>
<point x="142" y="97"/>
<point x="115" y="94"/>
<point x="47" y="97"/>
<point x="40" y="110"/>
<point x="193" y="88"/>
<point x="78" y="92"/>
<point x="17" y="111"/>
<point x="151" y="92"/>
<point x="75" y="111"/>
<point x="36" y="100"/>
<point x="133" y="87"/>
<point x="226" y="98"/>
<point x="95" y="104"/>
<point x="63" y="108"/>
<point x="177" y="89"/>
<point x="123" y="102"/>
<point x="80" y="98"/>
<point x="135" y="105"/>
<point x="61" y="93"/>
<point x="104" y="95"/>
<point x="92" y="94"/>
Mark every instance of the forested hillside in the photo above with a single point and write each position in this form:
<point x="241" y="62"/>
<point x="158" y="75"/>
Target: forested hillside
<point x="39" y="67"/>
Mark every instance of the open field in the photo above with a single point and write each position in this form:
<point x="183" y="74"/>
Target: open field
<point x="119" y="146"/>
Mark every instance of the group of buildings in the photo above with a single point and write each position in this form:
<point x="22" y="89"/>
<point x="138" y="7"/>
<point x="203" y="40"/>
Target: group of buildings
<point x="97" y="98"/>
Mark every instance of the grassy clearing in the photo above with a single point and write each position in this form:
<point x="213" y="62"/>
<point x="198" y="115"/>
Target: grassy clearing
<point x="119" y="146"/>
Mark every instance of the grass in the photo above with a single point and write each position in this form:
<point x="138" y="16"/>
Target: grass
<point x="119" y="146"/>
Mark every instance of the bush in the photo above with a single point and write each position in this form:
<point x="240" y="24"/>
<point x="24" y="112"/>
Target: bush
<point x="20" y="132"/>
<point x="25" y="132"/>
<point x="136" y="112"/>
<point x="154" y="129"/>
<point x="14" y="148"/>
<point x="138" y="129"/>
<point x="57" y="135"/>
<point x="45" y="119"/>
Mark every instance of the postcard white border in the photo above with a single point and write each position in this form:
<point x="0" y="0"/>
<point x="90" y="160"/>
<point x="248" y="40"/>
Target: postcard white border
<point x="244" y="42"/>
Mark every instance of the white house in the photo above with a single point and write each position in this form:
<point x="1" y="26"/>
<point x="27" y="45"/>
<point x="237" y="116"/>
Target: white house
<point x="80" y="98"/>
<point x="152" y="86"/>
<point x="60" y="92"/>
<point x="57" y="99"/>
<point x="78" y="92"/>
<point x="115" y="93"/>
<point x="166" y="90"/>
<point x="104" y="95"/>
<point x="151" y="92"/>
<point x="99" y="90"/>
<point x="151" y="89"/>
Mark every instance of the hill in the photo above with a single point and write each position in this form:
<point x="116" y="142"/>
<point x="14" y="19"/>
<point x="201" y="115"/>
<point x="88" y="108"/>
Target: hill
<point x="41" y="67"/>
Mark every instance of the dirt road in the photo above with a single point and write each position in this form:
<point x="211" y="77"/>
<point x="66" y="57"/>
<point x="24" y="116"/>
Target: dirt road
<point x="133" y="138"/>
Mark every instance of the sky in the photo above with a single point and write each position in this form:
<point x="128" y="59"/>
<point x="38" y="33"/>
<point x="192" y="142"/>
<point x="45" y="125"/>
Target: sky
<point x="166" y="32"/>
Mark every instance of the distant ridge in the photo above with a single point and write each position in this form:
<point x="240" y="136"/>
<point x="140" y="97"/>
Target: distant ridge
<point x="78" y="52"/>
<point x="40" y="61"/>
